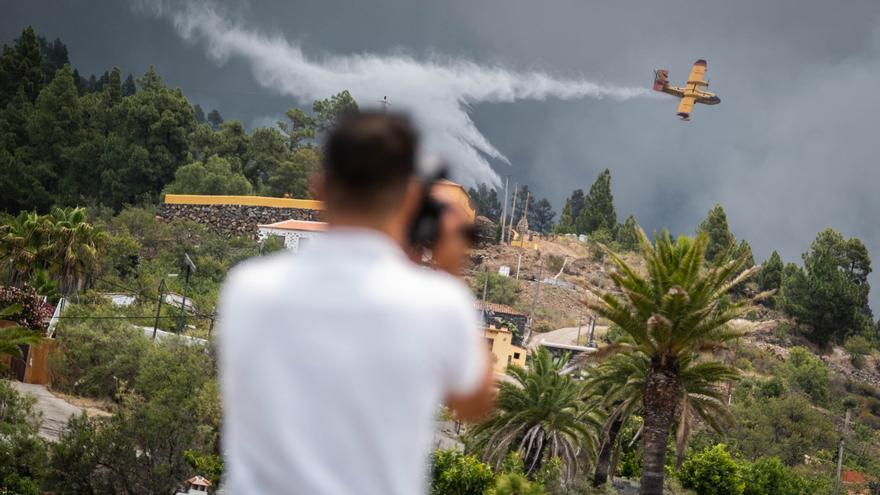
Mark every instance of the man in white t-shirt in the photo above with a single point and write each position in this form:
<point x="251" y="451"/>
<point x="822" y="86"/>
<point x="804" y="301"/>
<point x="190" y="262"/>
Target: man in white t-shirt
<point x="333" y="362"/>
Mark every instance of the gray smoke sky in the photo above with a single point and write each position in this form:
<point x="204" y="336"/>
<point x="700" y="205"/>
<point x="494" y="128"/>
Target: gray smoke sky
<point x="790" y="150"/>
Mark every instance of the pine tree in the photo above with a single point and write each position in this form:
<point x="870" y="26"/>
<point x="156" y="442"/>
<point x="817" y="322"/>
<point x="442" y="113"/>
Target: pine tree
<point x="830" y="293"/>
<point x="151" y="80"/>
<point x="598" y="210"/>
<point x="570" y="212"/>
<point x="523" y="196"/>
<point x="128" y="87"/>
<point x="113" y="86"/>
<point x="566" y="222"/>
<point x="541" y="216"/>
<point x="721" y="241"/>
<point x="770" y="276"/>
<point x="199" y="114"/>
<point x="485" y="202"/>
<point x="55" y="129"/>
<point x="577" y="199"/>
<point x="627" y="234"/>
<point x="54" y="57"/>
<point x="215" y="119"/>
<point x="21" y="66"/>
<point x="328" y="111"/>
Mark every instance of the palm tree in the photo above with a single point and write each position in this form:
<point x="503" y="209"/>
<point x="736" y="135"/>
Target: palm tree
<point x="21" y="245"/>
<point x="12" y="338"/>
<point x="73" y="248"/>
<point x="539" y="413"/>
<point x="677" y="310"/>
<point x="621" y="382"/>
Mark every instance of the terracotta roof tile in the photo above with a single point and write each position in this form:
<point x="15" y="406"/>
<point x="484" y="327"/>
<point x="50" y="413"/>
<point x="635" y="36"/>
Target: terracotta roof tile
<point x="497" y="308"/>
<point x="297" y="225"/>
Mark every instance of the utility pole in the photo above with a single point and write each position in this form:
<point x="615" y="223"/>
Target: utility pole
<point x="213" y="319"/>
<point x="190" y="267"/>
<point x="504" y="210"/>
<point x="592" y="343"/>
<point x="159" y="306"/>
<point x="840" y="451"/>
<point x="513" y="207"/>
<point x="534" y="299"/>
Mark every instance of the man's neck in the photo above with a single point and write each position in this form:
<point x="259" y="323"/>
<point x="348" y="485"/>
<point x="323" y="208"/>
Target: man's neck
<point x="389" y="227"/>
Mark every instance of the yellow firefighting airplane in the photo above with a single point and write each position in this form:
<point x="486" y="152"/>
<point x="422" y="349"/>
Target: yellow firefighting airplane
<point x="692" y="91"/>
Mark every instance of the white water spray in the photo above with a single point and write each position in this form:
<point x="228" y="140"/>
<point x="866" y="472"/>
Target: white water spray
<point x="436" y="92"/>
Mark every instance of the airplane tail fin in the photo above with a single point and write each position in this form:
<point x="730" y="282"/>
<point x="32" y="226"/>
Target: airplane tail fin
<point x="661" y="79"/>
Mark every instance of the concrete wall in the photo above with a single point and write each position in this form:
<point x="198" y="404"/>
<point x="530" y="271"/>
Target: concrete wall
<point x="237" y="215"/>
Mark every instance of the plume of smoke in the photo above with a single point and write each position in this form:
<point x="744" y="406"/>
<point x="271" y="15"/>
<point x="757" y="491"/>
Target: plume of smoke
<point x="437" y="92"/>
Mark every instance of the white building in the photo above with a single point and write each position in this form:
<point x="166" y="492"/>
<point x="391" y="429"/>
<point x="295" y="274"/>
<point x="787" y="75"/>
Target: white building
<point x="296" y="233"/>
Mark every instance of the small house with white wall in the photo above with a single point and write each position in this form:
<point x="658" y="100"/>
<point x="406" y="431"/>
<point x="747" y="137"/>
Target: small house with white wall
<point x="196" y="485"/>
<point x="296" y="233"/>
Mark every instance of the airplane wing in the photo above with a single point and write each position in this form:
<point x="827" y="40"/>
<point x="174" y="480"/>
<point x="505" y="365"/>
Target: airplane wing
<point x="697" y="73"/>
<point x="672" y="90"/>
<point x="685" y="107"/>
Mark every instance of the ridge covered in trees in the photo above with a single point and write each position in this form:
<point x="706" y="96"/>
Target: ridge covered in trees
<point x="70" y="141"/>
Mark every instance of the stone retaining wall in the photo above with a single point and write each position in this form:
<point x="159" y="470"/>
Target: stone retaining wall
<point x="234" y="219"/>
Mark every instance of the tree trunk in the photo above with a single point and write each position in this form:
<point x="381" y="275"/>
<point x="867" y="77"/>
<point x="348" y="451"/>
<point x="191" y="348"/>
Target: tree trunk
<point x="603" y="462"/>
<point x="661" y="389"/>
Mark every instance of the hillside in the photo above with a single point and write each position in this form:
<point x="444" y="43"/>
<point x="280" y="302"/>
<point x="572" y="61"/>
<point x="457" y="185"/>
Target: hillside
<point x="586" y="272"/>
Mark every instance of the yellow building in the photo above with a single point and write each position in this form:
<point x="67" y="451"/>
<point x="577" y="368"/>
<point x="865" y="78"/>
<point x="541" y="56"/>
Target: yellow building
<point x="446" y="189"/>
<point x="504" y="353"/>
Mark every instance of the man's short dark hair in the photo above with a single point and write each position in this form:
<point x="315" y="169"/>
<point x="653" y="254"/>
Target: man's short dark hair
<point x="369" y="158"/>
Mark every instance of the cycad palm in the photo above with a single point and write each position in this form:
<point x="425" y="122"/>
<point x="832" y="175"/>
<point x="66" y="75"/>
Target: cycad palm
<point x="621" y="381"/>
<point x="541" y="414"/>
<point x="676" y="311"/>
<point x="73" y="248"/>
<point x="12" y="338"/>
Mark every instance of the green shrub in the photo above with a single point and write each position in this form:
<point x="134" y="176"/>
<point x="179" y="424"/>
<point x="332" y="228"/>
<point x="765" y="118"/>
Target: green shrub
<point x="554" y="263"/>
<point x="772" y="387"/>
<point x="23" y="455"/>
<point x="858" y="347"/>
<point x="453" y="473"/>
<point x="515" y="484"/>
<point x="550" y="476"/>
<point x="501" y="289"/>
<point x="769" y="476"/>
<point x="712" y="472"/>
<point x="807" y="374"/>
<point x="513" y="464"/>
<point x="97" y="357"/>
<point x="744" y="364"/>
<point x="787" y="427"/>
<point x="782" y="331"/>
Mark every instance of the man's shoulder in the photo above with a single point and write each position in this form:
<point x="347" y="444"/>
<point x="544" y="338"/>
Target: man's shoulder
<point x="258" y="275"/>
<point x="438" y="289"/>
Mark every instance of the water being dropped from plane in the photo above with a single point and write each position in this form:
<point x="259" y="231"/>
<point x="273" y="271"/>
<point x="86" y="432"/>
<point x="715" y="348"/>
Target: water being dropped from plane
<point x="437" y="92"/>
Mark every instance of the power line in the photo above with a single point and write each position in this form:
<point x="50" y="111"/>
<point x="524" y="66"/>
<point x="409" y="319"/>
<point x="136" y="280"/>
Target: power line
<point x="114" y="284"/>
<point x="151" y="317"/>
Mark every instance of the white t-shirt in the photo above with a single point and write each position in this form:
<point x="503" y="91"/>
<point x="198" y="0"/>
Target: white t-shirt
<point x="333" y="362"/>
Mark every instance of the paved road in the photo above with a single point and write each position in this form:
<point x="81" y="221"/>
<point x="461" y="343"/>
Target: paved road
<point x="56" y="412"/>
<point x="567" y="335"/>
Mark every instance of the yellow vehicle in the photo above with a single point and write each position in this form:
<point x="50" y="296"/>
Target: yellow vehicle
<point x="691" y="93"/>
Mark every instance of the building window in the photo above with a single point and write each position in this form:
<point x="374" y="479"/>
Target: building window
<point x="515" y="355"/>
<point x="490" y="342"/>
